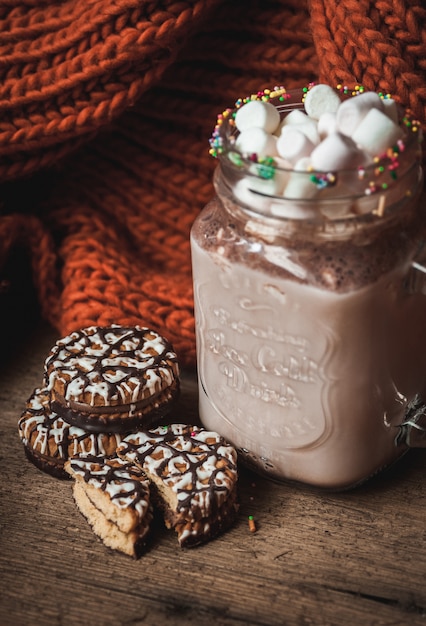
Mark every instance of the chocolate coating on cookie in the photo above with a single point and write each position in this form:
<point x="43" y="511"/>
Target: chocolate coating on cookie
<point x="49" y="441"/>
<point x="195" y="475"/>
<point x="112" y="378"/>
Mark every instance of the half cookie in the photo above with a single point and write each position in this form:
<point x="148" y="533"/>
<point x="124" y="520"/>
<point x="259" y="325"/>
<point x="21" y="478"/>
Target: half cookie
<point x="114" y="497"/>
<point x="49" y="441"/>
<point x="194" y="475"/>
<point x="112" y="379"/>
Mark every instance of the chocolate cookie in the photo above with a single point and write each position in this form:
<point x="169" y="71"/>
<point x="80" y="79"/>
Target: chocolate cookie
<point x="114" y="497"/>
<point x="193" y="473"/>
<point x="112" y="379"/>
<point x="49" y="441"/>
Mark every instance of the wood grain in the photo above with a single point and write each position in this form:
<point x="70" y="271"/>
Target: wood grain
<point x="357" y="557"/>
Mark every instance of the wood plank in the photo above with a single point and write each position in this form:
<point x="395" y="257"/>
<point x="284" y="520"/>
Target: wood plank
<point x="357" y="557"/>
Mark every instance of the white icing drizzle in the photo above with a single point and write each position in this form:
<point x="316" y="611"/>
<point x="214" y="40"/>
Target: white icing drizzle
<point x="125" y="485"/>
<point x="69" y="440"/>
<point x="197" y="465"/>
<point x="115" y="365"/>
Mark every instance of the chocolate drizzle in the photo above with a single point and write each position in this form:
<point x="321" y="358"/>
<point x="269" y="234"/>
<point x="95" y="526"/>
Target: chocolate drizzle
<point x="51" y="440"/>
<point x="121" y="423"/>
<point x="125" y="484"/>
<point x="199" y="466"/>
<point x="111" y="375"/>
<point x="109" y="360"/>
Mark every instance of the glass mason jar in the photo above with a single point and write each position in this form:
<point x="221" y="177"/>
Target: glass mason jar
<point x="311" y="314"/>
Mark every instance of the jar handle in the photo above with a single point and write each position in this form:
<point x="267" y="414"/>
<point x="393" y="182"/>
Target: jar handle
<point x="412" y="431"/>
<point x="416" y="278"/>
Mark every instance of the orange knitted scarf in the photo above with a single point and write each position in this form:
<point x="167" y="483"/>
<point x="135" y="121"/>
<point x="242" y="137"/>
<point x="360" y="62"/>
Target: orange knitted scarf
<point x="106" y="108"/>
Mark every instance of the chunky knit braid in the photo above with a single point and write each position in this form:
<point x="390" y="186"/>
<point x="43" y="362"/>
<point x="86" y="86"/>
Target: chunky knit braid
<point x="67" y="69"/>
<point x="106" y="110"/>
<point x="380" y="45"/>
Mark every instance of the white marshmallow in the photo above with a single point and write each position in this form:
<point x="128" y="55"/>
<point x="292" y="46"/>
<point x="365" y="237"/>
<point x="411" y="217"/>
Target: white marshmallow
<point x="293" y="144"/>
<point x="291" y="210"/>
<point x="256" y="141"/>
<point x="303" y="165"/>
<point x="245" y="196"/>
<point x="376" y="133"/>
<point x="296" y="116"/>
<point x="390" y="107"/>
<point x="252" y="189"/>
<point x="282" y="174"/>
<point x="300" y="186"/>
<point x="302" y="122"/>
<point x="321" y="99"/>
<point x="336" y="152"/>
<point x="310" y="129"/>
<point x="282" y="164"/>
<point x="327" y="124"/>
<point x="351" y="112"/>
<point x="268" y="186"/>
<point x="257" y="114"/>
<point x="257" y="193"/>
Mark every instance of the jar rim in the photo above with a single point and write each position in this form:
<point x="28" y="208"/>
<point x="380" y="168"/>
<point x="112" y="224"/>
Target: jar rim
<point x="396" y="169"/>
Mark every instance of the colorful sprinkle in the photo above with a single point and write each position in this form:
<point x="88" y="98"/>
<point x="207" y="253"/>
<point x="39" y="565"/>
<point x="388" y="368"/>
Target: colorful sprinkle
<point x="252" y="524"/>
<point x="236" y="159"/>
<point x="323" y="180"/>
<point x="372" y="188"/>
<point x="266" y="167"/>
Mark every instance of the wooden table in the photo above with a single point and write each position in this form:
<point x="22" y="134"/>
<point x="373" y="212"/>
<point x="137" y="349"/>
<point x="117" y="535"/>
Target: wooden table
<point x="357" y="557"/>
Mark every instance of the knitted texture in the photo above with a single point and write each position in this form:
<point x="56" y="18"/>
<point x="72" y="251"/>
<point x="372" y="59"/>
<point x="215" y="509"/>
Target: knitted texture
<point x="106" y="108"/>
